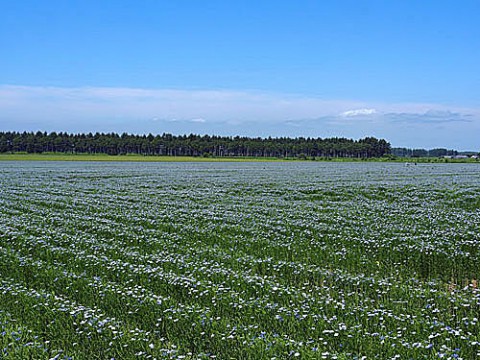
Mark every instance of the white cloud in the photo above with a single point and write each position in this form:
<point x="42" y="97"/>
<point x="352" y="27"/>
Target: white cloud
<point x="358" y="112"/>
<point x="227" y="112"/>
<point x="45" y="103"/>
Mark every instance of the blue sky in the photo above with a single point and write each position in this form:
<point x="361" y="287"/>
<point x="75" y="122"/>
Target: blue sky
<point x="407" y="71"/>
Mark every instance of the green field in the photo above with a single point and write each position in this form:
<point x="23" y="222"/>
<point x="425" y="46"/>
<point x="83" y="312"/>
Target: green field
<point x="123" y="158"/>
<point x="308" y="260"/>
<point x="149" y="158"/>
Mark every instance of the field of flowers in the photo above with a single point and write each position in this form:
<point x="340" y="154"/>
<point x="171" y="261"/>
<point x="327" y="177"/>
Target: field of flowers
<point x="239" y="260"/>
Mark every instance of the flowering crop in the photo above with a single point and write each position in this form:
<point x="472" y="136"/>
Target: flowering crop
<point x="239" y="260"/>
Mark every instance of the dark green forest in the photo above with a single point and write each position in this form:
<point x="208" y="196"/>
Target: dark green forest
<point x="190" y="145"/>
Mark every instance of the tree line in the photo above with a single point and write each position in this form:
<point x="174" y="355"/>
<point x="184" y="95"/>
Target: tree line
<point x="417" y="153"/>
<point x="190" y="145"/>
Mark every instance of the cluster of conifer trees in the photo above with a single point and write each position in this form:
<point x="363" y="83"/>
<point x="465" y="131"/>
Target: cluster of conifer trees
<point x="190" y="145"/>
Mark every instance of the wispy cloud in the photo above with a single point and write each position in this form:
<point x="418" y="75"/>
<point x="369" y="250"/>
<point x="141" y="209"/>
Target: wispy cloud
<point x="209" y="105"/>
<point x="198" y="120"/>
<point x="358" y="112"/>
<point x="430" y="117"/>
<point x="228" y="112"/>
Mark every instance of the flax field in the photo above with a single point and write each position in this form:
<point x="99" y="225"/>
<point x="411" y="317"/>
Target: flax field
<point x="307" y="260"/>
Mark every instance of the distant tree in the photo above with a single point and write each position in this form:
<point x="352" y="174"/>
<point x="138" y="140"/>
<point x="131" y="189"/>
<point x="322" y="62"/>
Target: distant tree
<point x="416" y="153"/>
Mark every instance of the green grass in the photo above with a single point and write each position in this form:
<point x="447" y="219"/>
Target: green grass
<point x="152" y="158"/>
<point x="307" y="260"/>
<point x="123" y="158"/>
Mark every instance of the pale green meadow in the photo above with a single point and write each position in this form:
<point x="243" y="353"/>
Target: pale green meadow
<point x="308" y="260"/>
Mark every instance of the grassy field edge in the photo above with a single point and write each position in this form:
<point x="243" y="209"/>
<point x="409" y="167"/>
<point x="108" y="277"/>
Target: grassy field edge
<point x="154" y="158"/>
<point x="122" y="158"/>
